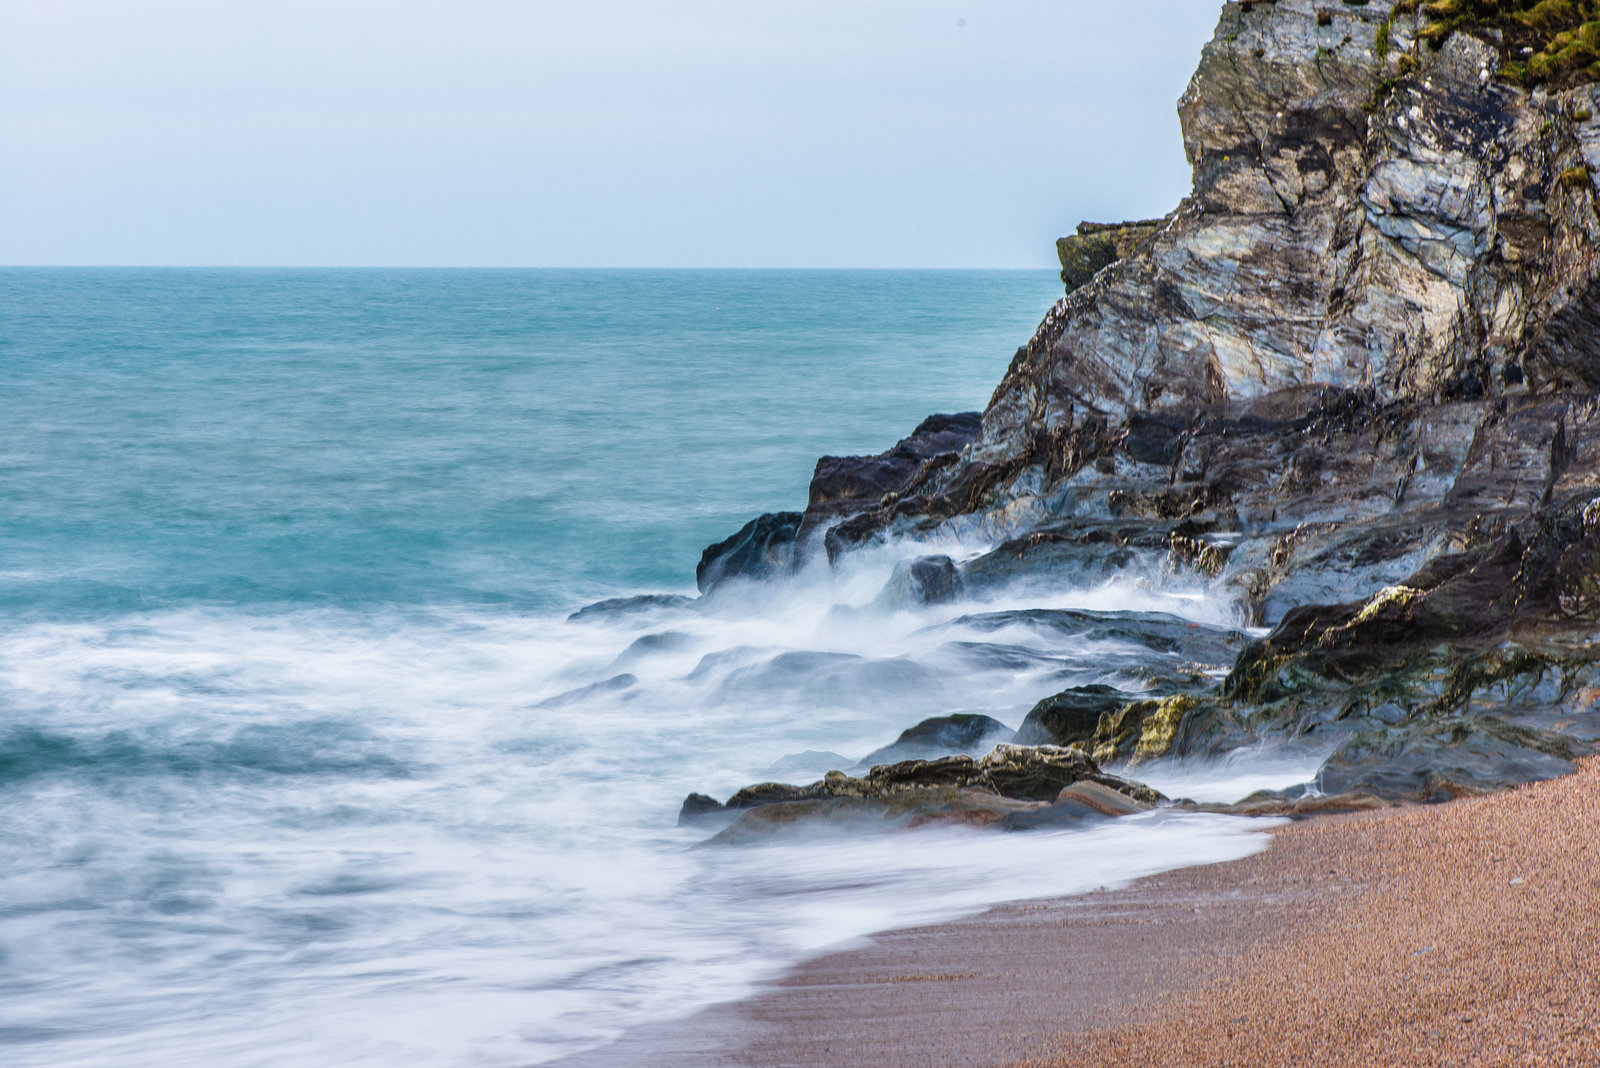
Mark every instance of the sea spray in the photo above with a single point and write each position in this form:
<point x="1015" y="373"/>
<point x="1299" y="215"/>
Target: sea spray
<point x="367" y="816"/>
<point x="300" y="760"/>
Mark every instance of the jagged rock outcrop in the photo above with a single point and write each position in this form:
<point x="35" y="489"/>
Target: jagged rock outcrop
<point x="760" y="549"/>
<point x="1009" y="781"/>
<point x="1371" y="217"/>
<point x="925" y="580"/>
<point x="1070" y="717"/>
<point x="1097" y="246"/>
<point x="942" y="735"/>
<point x="843" y="486"/>
<point x="1353" y="380"/>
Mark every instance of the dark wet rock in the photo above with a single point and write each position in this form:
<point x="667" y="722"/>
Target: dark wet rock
<point x="907" y="809"/>
<point x="726" y="660"/>
<point x="999" y="789"/>
<point x="1070" y="717"/>
<point x="810" y="762"/>
<point x="697" y="807"/>
<point x="979" y="790"/>
<point x="614" y="684"/>
<point x="1296" y="803"/>
<point x="1027" y="773"/>
<point x="1476" y="672"/>
<point x="1466" y="531"/>
<point x="828" y="676"/>
<point x="1078" y="804"/>
<point x="622" y="607"/>
<point x="1000" y="656"/>
<point x="1171" y="638"/>
<point x="1442" y="760"/>
<point x="1069" y="553"/>
<point x="958" y="733"/>
<point x="1055" y="816"/>
<point x="761" y="549"/>
<point x="1039" y="773"/>
<point x="1143" y="730"/>
<point x="1103" y="799"/>
<point x="667" y="641"/>
<point x="844" y="484"/>
<point x="925" y="580"/>
<point x="1526" y="585"/>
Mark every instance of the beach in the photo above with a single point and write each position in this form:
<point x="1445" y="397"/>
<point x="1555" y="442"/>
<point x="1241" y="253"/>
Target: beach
<point x="1462" y="933"/>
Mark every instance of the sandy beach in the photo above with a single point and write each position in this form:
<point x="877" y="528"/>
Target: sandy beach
<point x="1466" y="935"/>
<point x="1463" y="933"/>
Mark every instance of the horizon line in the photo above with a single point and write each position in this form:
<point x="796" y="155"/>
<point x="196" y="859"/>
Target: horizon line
<point x="454" y="267"/>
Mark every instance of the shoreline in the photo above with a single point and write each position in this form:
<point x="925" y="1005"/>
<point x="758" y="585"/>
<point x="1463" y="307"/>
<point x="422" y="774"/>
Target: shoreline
<point x="983" y="989"/>
<point x="1305" y="948"/>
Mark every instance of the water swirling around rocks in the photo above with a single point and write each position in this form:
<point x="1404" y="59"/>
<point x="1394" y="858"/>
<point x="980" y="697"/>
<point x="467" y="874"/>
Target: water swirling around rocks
<point x="301" y="758"/>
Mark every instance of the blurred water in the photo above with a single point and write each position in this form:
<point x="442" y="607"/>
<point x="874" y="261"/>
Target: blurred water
<point x="520" y="438"/>
<point x="298" y="759"/>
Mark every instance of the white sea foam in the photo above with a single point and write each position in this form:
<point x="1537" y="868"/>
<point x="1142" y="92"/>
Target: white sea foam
<point x="325" y="837"/>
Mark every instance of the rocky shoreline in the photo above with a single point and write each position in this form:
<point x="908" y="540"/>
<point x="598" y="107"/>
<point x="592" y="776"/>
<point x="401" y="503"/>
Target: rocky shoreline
<point x="1420" y="935"/>
<point x="1351" y="383"/>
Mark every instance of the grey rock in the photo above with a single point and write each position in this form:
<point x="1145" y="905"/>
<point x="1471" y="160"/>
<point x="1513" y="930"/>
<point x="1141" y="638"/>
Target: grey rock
<point x="962" y="732"/>
<point x="1070" y="717"/>
<point x="925" y="580"/>
<point x="1008" y="779"/>
<point x="809" y="763"/>
<point x="612" y="685"/>
<point x="1097" y="246"/>
<point x="667" y="641"/>
<point x="624" y="607"/>
<point x="697" y="807"/>
<point x="761" y="549"/>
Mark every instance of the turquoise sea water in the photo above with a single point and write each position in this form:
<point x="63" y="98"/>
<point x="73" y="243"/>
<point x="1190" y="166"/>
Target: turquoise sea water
<point x="521" y="438"/>
<point x="300" y="761"/>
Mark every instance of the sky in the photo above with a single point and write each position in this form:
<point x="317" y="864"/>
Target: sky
<point x="593" y="133"/>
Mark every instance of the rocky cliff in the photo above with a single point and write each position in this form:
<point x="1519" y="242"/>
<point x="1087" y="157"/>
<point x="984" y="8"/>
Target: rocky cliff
<point x="1353" y="379"/>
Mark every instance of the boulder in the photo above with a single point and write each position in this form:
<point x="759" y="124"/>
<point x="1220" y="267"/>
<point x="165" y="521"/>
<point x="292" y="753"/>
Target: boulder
<point x="1070" y="717"/>
<point x="811" y="761"/>
<point x="904" y="810"/>
<point x="697" y="807"/>
<point x="624" y="607"/>
<point x="761" y="549"/>
<point x="1441" y="760"/>
<point x="844" y="485"/>
<point x="1076" y="805"/>
<point x="925" y="580"/>
<point x="940" y="735"/>
<point x="1007" y="779"/>
<point x="642" y="648"/>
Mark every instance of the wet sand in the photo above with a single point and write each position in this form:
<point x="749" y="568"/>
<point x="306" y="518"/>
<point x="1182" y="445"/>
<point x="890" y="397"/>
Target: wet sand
<point x="1466" y="933"/>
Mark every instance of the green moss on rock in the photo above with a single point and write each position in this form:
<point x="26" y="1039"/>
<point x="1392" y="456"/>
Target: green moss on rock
<point x="1555" y="42"/>
<point x="1098" y="245"/>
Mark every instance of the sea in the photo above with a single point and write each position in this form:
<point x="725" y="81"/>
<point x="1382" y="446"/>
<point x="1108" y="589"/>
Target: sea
<point x="302" y="761"/>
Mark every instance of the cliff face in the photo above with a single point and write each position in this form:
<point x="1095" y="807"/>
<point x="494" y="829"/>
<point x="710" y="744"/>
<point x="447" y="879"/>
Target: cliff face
<point x="1381" y="303"/>
<point x="1352" y="382"/>
<point x="1385" y="217"/>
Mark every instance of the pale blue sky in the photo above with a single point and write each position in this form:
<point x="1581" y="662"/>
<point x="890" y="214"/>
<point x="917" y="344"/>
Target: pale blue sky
<point x="814" y="133"/>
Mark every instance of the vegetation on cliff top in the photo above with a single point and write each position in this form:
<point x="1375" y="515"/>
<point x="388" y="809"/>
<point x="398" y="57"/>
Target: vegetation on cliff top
<point x="1555" y="42"/>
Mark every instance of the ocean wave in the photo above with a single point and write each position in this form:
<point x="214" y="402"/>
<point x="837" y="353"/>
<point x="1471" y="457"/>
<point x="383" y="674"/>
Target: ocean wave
<point x="305" y="747"/>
